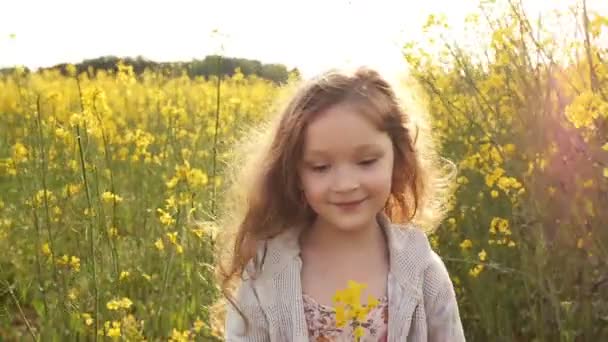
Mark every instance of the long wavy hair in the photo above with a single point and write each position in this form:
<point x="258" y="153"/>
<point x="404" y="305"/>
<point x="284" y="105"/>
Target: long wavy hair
<point x="264" y="199"/>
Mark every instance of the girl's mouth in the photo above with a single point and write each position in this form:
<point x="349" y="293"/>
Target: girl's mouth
<point x="349" y="205"/>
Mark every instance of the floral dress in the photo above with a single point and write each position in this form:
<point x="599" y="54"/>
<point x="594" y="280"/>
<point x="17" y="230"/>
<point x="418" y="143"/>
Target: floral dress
<point x="321" y="323"/>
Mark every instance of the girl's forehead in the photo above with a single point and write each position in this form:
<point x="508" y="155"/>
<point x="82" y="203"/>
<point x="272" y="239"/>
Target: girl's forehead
<point x="339" y="130"/>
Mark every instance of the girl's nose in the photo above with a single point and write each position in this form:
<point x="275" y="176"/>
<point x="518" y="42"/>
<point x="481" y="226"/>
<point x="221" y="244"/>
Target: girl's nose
<point x="344" y="180"/>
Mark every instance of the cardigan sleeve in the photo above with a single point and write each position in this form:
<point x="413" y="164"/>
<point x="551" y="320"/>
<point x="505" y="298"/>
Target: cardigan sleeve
<point x="443" y="317"/>
<point x="248" y="303"/>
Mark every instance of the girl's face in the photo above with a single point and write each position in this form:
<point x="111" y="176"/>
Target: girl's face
<point x="346" y="168"/>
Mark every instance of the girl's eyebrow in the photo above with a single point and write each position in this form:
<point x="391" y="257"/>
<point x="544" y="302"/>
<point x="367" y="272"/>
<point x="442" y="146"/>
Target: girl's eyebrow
<point x="358" y="149"/>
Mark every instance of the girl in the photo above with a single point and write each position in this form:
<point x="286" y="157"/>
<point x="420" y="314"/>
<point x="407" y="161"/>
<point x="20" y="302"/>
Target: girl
<point x="333" y="198"/>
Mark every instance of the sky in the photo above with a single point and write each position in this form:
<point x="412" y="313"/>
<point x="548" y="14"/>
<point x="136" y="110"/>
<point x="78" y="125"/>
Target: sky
<point x="312" y="35"/>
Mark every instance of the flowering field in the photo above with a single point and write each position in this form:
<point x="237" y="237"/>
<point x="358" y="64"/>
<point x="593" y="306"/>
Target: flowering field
<point x="106" y="200"/>
<point x="109" y="185"/>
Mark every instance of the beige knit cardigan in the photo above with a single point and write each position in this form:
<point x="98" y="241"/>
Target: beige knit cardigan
<point x="422" y="301"/>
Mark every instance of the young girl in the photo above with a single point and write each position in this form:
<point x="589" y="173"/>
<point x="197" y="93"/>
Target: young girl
<point x="331" y="199"/>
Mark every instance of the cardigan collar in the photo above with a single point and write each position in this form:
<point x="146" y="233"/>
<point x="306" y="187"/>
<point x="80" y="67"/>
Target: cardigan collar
<point x="409" y="253"/>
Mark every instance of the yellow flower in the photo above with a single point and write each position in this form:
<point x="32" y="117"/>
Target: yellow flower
<point x="494" y="193"/>
<point x="198" y="325"/>
<point x="77" y="119"/>
<point x="124" y="275"/>
<point x="72" y="293"/>
<point x="44" y="196"/>
<point x="63" y="260"/>
<point x="348" y="304"/>
<point x="112" y="232"/>
<point x="75" y="263"/>
<point x="482" y="255"/>
<point x="501" y="225"/>
<point x="466" y="244"/>
<point x="20" y="153"/>
<point x="199" y="232"/>
<point x="87" y="318"/>
<point x="359" y="332"/>
<point x="116" y="304"/>
<point x="475" y="271"/>
<point x="197" y="178"/>
<point x="114" y="331"/>
<point x="171" y="203"/>
<point x="491" y="179"/>
<point x="165" y="217"/>
<point x="159" y="244"/>
<point x="372" y="302"/>
<point x="462" y="180"/>
<point x="177" y="336"/>
<point x="509" y="148"/>
<point x="46" y="250"/>
<point x="340" y="316"/>
<point x="585" y="108"/>
<point x="172" y="237"/>
<point x="109" y="197"/>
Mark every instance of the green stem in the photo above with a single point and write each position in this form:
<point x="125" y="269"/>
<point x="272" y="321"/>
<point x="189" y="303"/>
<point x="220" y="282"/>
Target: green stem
<point x="216" y="133"/>
<point x="91" y="234"/>
<point x="27" y="322"/>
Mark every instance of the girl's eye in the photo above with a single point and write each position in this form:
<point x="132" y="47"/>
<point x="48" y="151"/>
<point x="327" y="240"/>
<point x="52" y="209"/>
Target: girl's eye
<point x="319" y="168"/>
<point x="368" y="162"/>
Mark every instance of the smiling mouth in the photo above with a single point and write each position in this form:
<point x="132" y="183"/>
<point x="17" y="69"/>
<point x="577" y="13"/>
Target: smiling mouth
<point x="345" y="204"/>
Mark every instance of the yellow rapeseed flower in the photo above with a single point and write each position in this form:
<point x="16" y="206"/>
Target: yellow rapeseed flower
<point x="475" y="271"/>
<point x="198" y="325"/>
<point x="165" y="218"/>
<point x="500" y="225"/>
<point x="177" y="336"/>
<point x="116" y="304"/>
<point x="72" y="294"/>
<point x="482" y="255"/>
<point x="509" y="149"/>
<point x="114" y="330"/>
<point x="466" y="244"/>
<point x="340" y="316"/>
<point x="46" y="250"/>
<point x="88" y="320"/>
<point x="494" y="176"/>
<point x="20" y="153"/>
<point x="199" y="232"/>
<point x="124" y="275"/>
<point x="359" y="332"/>
<point x="112" y="232"/>
<point x="109" y="197"/>
<point x="159" y="244"/>
<point x="172" y="237"/>
<point x="348" y="305"/>
<point x="75" y="263"/>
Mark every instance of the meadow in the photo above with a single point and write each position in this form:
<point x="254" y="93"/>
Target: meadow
<point x="110" y="184"/>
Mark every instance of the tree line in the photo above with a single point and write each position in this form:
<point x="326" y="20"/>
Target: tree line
<point x="209" y="66"/>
